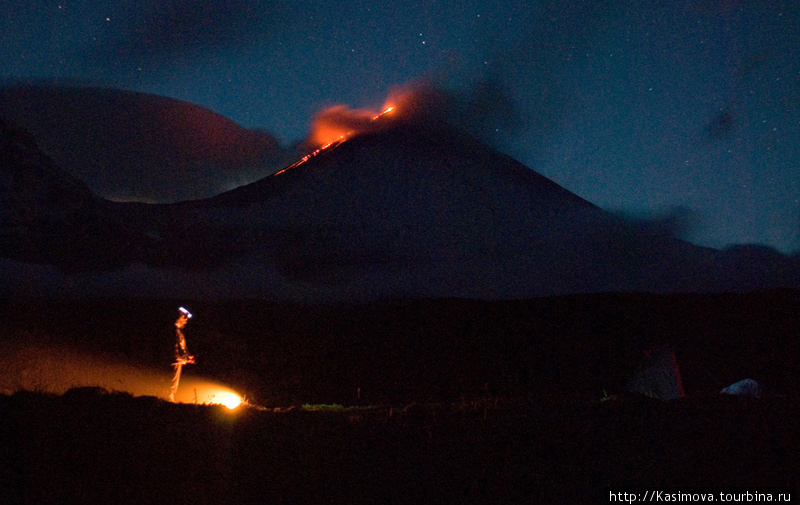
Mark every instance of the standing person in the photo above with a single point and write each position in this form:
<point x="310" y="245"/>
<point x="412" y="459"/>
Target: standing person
<point x="182" y="356"/>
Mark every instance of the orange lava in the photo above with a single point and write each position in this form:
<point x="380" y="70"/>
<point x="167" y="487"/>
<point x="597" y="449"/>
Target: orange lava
<point x="336" y="124"/>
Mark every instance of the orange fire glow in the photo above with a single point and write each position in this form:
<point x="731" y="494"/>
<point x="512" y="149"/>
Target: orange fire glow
<point x="336" y="124"/>
<point x="387" y="110"/>
<point x="197" y="391"/>
<point x="228" y="398"/>
<point x="25" y="366"/>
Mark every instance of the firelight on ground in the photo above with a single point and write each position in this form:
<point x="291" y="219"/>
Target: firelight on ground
<point x="229" y="399"/>
<point x="195" y="390"/>
<point x="26" y="366"/>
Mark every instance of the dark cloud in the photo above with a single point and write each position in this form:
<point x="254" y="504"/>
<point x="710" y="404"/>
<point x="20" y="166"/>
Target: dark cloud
<point x="485" y="110"/>
<point x="675" y="222"/>
<point x="721" y="125"/>
<point x="173" y="27"/>
<point x="535" y="73"/>
<point x="135" y="146"/>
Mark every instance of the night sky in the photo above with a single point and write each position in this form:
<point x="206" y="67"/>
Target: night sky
<point x="680" y="111"/>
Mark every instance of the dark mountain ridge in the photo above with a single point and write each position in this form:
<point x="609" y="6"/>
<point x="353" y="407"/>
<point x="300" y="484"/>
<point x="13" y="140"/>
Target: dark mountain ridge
<point x="50" y="217"/>
<point x="130" y="146"/>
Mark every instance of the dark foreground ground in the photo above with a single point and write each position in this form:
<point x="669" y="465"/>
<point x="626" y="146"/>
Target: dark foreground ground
<point x="91" y="446"/>
<point x="478" y="402"/>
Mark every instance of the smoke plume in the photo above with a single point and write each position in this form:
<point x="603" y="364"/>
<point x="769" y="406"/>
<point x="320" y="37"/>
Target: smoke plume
<point x="485" y="111"/>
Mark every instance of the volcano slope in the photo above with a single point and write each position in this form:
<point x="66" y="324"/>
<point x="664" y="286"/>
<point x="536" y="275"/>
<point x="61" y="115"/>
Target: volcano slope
<point x="408" y="212"/>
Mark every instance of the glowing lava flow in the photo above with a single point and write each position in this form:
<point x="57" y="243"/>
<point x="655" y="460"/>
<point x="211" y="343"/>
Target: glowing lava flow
<point x="332" y="143"/>
<point x="387" y="110"/>
<point x="311" y="155"/>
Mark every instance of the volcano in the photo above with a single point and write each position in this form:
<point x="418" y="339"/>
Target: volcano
<point x="405" y="210"/>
